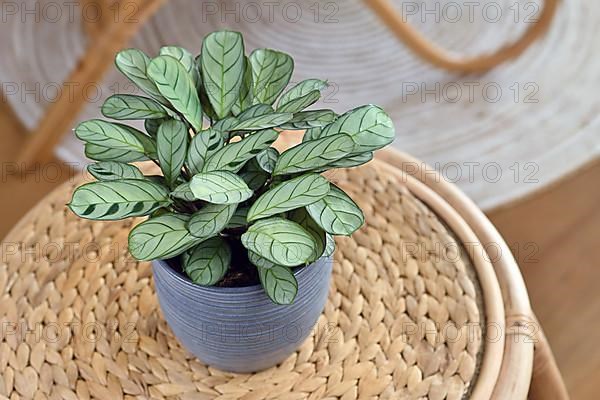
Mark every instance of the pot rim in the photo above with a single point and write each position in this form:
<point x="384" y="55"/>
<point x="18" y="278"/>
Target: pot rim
<point x="181" y="277"/>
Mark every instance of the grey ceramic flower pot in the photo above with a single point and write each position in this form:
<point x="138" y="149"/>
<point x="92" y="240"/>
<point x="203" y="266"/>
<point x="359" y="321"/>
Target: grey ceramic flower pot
<point x="239" y="329"/>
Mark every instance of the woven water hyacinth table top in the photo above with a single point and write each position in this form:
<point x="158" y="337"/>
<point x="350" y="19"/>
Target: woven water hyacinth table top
<point x="80" y="318"/>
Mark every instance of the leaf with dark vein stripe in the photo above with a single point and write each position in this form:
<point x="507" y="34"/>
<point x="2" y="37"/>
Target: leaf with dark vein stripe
<point x="118" y="199"/>
<point x="101" y="153"/>
<point x="246" y="94"/>
<point x="220" y="187"/>
<point x="263" y="62"/>
<point x="148" y="143"/>
<point x="329" y="245"/>
<point x="133" y="63"/>
<point x="203" y="145"/>
<point x="222" y="60"/>
<point x="279" y="283"/>
<point x="233" y="156"/>
<point x="337" y="213"/>
<point x="300" y="103"/>
<point x="238" y="219"/>
<point x="369" y="126"/>
<point x="208" y="262"/>
<point x="259" y="261"/>
<point x="262" y="122"/>
<point x="112" y="170"/>
<point x="225" y="124"/>
<point x="255" y="111"/>
<point x="309" y="119"/>
<point x="177" y="86"/>
<point x="312" y="134"/>
<point x="272" y="72"/>
<point x="254" y="176"/>
<point x="127" y="106"/>
<point x="299" y="91"/>
<point x="185" y="58"/>
<point x="211" y="219"/>
<point x="280" y="241"/>
<point x="172" y="142"/>
<point x="353" y="160"/>
<point x="313" y="154"/>
<point x="297" y="192"/>
<point x="204" y="101"/>
<point x="107" y="134"/>
<point x="302" y="217"/>
<point x="267" y="159"/>
<point x="151" y="126"/>
<point x="184" y="192"/>
<point x="161" y="237"/>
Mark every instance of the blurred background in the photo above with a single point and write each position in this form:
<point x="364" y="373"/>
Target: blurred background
<point x="522" y="139"/>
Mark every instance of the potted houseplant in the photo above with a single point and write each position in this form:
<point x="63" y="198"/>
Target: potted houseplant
<point x="240" y="236"/>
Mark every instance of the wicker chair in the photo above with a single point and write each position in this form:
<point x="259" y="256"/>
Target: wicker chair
<point x="108" y="36"/>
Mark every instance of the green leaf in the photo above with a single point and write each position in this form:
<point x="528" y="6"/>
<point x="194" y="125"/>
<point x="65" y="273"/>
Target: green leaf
<point x="208" y="262"/>
<point x="309" y="119"/>
<point x="101" y="153"/>
<point x="133" y="63"/>
<point x="336" y="213"/>
<point x="299" y="91"/>
<point x="255" y="111"/>
<point x="220" y="187"/>
<point x="148" y="143"/>
<point x="184" y="192"/>
<point x="233" y="156"/>
<point x="161" y="237"/>
<point x="204" y="101"/>
<point x="259" y="261"/>
<point x="254" y="176"/>
<point x="353" y="160"/>
<point x="204" y="144"/>
<point x="211" y="219"/>
<point x="159" y="179"/>
<point x="302" y="217"/>
<point x="280" y="241"/>
<point x="182" y="55"/>
<point x="267" y="159"/>
<point x="263" y="62"/>
<point x="112" y="200"/>
<point x="172" y="142"/>
<point x="313" y="154"/>
<point x="329" y="245"/>
<point x="222" y="69"/>
<point x="288" y="195"/>
<point x="127" y="106"/>
<point x="312" y="134"/>
<point x="176" y="84"/>
<point x="262" y="122"/>
<point x="152" y="125"/>
<point x="225" y="124"/>
<point x="107" y="134"/>
<point x="245" y="96"/>
<point x="272" y="71"/>
<point x="300" y="103"/>
<point x="279" y="283"/>
<point x="238" y="220"/>
<point x="369" y="126"/>
<point x="112" y="170"/>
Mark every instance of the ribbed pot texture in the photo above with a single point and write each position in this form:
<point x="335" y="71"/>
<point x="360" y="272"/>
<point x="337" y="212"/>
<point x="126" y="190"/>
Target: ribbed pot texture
<point x="239" y="329"/>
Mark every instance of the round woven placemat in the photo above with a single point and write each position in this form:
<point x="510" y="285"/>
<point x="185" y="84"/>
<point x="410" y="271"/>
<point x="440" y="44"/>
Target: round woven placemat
<point x="80" y="318"/>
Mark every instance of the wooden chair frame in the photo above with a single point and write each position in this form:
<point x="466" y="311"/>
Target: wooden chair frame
<point x="108" y="37"/>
